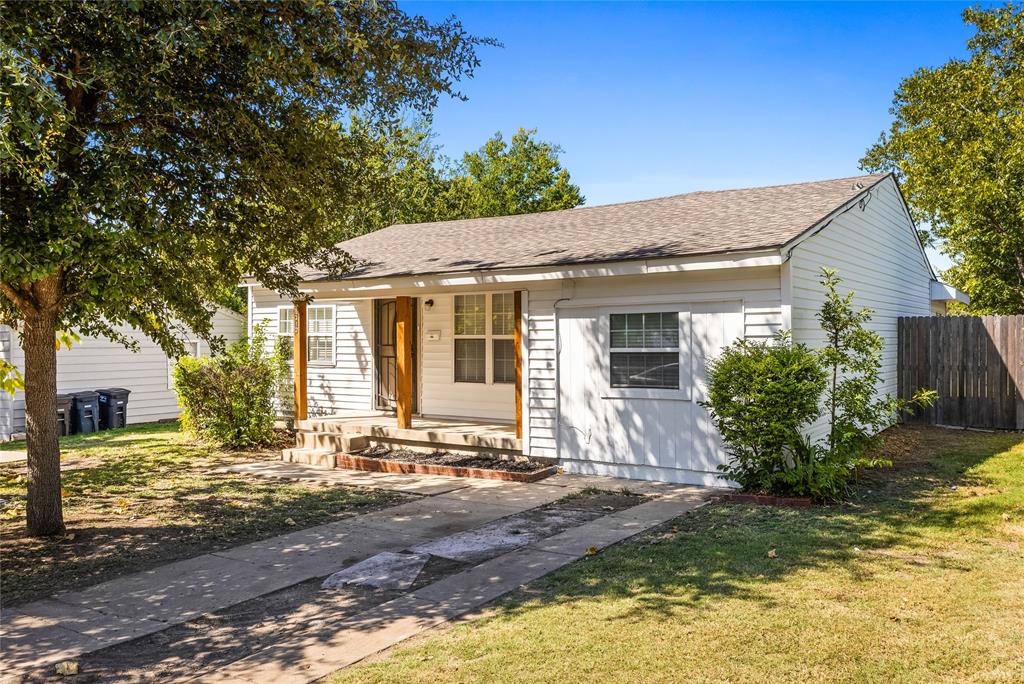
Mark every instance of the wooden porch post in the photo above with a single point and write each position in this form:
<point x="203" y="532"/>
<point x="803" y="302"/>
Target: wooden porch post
<point x="517" y="344"/>
<point x="403" y="351"/>
<point x="299" y="359"/>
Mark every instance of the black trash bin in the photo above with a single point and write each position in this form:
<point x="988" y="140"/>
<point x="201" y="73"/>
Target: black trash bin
<point x="84" y="412"/>
<point x="64" y="414"/>
<point x="113" y="407"/>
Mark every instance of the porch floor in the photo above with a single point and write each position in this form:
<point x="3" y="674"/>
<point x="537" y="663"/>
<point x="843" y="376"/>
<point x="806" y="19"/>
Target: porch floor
<point x="438" y="432"/>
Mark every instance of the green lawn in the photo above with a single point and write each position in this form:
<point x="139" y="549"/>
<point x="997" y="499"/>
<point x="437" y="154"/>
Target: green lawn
<point x="145" y="495"/>
<point x="919" y="578"/>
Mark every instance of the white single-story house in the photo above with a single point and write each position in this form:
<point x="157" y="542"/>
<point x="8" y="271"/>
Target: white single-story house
<point x="581" y="336"/>
<point x="98" y="362"/>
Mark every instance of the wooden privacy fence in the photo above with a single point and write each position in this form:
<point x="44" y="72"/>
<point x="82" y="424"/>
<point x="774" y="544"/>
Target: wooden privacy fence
<point x="975" y="363"/>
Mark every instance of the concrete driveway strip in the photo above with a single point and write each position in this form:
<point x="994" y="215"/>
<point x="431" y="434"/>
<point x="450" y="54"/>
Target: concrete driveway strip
<point x="38" y="633"/>
<point x="307" y="657"/>
<point x="71" y="623"/>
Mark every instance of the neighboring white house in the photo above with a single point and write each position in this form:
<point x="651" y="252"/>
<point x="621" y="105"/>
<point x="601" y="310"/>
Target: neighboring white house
<point x="97" y="362"/>
<point x="620" y="306"/>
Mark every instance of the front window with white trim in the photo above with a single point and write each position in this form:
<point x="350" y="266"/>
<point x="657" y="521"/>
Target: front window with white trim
<point x="484" y="344"/>
<point x="320" y="335"/>
<point x="644" y="350"/>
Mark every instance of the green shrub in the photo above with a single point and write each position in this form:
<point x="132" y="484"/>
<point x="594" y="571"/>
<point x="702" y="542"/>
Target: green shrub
<point x="760" y="395"/>
<point x="229" y="398"/>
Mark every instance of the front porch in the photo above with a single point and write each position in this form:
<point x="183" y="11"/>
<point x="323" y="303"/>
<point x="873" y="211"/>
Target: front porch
<point x="406" y="357"/>
<point x="318" y="439"/>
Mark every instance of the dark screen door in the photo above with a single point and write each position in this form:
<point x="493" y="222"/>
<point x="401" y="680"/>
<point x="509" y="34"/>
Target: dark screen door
<point x="385" y="353"/>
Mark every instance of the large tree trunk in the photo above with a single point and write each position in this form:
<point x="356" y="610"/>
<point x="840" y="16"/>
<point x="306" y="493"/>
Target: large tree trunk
<point x="44" y="510"/>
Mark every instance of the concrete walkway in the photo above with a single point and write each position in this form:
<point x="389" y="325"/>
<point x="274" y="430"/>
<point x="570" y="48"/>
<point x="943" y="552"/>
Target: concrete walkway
<point x="12" y="456"/>
<point x="73" y="623"/>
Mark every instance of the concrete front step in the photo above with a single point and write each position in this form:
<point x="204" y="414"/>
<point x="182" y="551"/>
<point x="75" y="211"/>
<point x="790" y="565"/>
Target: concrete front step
<point x="330" y="441"/>
<point x="317" y="457"/>
<point x="437" y="435"/>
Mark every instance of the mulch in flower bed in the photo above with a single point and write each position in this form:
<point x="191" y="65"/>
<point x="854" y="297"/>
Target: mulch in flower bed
<point x="383" y="459"/>
<point x="447" y="458"/>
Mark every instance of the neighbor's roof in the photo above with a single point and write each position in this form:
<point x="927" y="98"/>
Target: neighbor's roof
<point x="682" y="225"/>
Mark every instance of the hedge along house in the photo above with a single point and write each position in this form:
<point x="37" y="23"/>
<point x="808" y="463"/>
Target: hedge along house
<point x="581" y="336"/>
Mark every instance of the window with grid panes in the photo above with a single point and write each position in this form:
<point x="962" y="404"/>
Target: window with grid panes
<point x="644" y="350"/>
<point x="484" y="327"/>
<point x="471" y="338"/>
<point x="320" y="335"/>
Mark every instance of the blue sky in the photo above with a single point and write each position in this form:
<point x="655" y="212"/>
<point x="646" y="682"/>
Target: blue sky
<point x="663" y="98"/>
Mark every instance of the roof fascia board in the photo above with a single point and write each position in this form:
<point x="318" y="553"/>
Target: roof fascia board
<point x="788" y="248"/>
<point x="913" y="226"/>
<point x="770" y="257"/>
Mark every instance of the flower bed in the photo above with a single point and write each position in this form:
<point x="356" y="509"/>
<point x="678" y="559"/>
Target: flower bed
<point x="384" y="460"/>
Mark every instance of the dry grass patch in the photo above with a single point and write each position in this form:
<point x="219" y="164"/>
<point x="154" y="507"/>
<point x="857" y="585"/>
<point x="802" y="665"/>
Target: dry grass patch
<point x="142" y="496"/>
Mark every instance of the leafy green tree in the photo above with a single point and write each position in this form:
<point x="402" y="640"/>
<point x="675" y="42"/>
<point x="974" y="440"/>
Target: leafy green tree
<point x="957" y="146"/>
<point x="410" y="176"/>
<point x="154" y="153"/>
<point x="501" y="179"/>
<point x="852" y="358"/>
<point x="416" y="183"/>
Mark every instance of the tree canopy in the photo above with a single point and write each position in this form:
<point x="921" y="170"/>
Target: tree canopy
<point x="154" y="153"/>
<point x="522" y="176"/>
<point x="957" y="146"/>
<point x="418" y="183"/>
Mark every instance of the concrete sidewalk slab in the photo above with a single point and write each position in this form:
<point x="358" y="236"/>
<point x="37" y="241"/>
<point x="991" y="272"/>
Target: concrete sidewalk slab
<point x="12" y="456"/>
<point x="311" y="657"/>
<point x="320" y="550"/>
<point x="616" y="527"/>
<point x="483" y="583"/>
<point x="424" y="485"/>
<point x="179" y="591"/>
<point x="437" y="516"/>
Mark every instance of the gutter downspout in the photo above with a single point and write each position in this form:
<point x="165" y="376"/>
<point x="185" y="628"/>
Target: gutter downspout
<point x="558" y="374"/>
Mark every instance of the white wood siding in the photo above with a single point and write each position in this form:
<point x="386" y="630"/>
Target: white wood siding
<point x="541" y="377"/>
<point x="98" y="362"/>
<point x="665" y="439"/>
<point x="661" y="439"/>
<point x="347" y="385"/>
<point x="440" y="395"/>
<point x="877" y="256"/>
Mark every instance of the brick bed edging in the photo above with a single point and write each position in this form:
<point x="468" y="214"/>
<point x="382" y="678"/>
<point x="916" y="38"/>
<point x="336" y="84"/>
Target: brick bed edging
<point x="767" y="500"/>
<point x="377" y="465"/>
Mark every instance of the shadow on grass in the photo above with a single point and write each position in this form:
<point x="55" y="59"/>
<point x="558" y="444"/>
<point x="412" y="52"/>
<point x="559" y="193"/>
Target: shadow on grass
<point x="144" y="497"/>
<point x="722" y="550"/>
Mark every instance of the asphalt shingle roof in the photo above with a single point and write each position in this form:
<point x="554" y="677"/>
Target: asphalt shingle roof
<point x="682" y="225"/>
